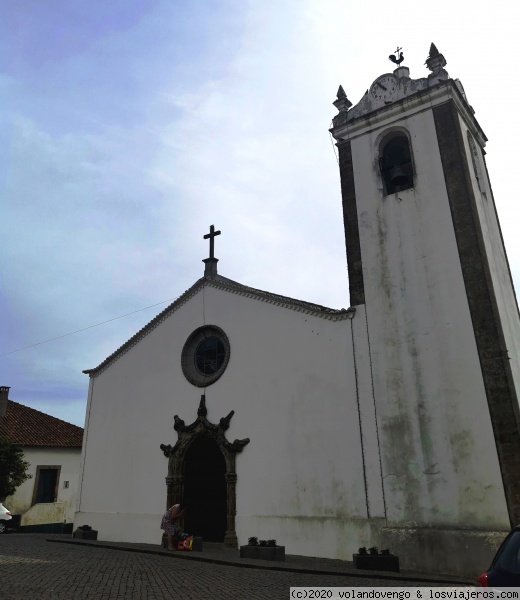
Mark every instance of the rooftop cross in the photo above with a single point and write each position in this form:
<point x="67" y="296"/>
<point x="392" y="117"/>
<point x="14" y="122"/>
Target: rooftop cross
<point x="211" y="235"/>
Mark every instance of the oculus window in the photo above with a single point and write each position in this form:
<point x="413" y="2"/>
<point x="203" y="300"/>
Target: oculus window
<point x="205" y="355"/>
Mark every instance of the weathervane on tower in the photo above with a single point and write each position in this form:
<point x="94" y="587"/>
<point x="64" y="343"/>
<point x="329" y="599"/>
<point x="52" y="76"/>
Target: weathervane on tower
<point x="398" y="58"/>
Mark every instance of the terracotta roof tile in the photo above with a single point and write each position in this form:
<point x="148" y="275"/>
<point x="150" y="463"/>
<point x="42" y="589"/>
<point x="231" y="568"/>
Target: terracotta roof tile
<point x="29" y="427"/>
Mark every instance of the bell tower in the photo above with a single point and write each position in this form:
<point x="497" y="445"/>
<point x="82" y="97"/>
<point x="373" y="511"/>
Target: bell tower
<point x="428" y="270"/>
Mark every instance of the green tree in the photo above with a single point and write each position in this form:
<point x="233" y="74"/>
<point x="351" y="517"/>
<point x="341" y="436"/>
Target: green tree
<point x="13" y="468"/>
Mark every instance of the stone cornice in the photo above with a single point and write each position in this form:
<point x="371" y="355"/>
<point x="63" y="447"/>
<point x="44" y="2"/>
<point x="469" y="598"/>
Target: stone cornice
<point x="316" y="310"/>
<point x="162" y="316"/>
<point x="227" y="285"/>
<point x="421" y="101"/>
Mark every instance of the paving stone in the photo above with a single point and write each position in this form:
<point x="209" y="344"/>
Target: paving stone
<point x="32" y="568"/>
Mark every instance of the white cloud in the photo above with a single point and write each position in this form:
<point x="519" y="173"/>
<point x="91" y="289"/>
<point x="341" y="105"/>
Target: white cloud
<point x="252" y="154"/>
<point x="106" y="220"/>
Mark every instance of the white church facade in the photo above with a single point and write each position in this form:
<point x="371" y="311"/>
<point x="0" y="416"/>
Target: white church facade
<point x="394" y="423"/>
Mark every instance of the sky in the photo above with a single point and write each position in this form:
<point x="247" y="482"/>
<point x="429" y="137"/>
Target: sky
<point x="128" y="127"/>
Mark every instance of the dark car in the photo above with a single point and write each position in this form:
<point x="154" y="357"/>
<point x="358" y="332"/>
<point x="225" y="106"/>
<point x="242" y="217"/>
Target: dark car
<point x="505" y="568"/>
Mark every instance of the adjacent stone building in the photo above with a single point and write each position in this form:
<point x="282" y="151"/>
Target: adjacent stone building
<point x="47" y="501"/>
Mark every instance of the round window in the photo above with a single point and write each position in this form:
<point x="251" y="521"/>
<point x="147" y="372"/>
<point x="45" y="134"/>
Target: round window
<point x="205" y="355"/>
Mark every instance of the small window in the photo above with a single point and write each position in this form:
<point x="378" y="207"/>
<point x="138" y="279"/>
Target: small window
<point x="395" y="162"/>
<point x="65" y="484"/>
<point x="46" y="484"/>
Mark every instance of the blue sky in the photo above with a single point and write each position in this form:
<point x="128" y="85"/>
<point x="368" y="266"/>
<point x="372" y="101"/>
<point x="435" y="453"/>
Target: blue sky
<point x="128" y="128"/>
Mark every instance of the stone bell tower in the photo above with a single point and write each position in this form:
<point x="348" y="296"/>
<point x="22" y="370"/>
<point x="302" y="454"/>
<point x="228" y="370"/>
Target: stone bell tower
<point x="426" y="261"/>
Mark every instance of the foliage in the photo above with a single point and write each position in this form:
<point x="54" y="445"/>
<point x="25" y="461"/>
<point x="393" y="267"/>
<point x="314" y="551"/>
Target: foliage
<point x="253" y="541"/>
<point x="13" y="468"/>
<point x="85" y="528"/>
<point x="374" y="552"/>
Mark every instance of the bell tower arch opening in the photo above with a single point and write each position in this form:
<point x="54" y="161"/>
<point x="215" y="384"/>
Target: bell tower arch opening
<point x="395" y="160"/>
<point x="205" y="495"/>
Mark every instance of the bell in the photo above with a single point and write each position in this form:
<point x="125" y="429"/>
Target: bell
<point x="398" y="176"/>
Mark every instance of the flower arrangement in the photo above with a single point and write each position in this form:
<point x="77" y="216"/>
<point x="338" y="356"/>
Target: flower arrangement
<point x="254" y="541"/>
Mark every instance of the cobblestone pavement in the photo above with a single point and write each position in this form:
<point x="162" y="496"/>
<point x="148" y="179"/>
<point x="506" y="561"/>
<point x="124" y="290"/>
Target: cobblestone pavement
<point x="31" y="568"/>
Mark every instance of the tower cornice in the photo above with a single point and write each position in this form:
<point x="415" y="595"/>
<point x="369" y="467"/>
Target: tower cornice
<point x="422" y="100"/>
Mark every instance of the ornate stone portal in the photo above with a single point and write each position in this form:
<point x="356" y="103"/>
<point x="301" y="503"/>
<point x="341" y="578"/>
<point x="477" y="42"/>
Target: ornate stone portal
<point x="177" y="454"/>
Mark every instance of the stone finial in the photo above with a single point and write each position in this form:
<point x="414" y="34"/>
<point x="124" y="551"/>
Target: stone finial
<point x="210" y="270"/>
<point x="224" y="422"/>
<point x="167" y="449"/>
<point x="436" y="63"/>
<point x="202" y="411"/>
<point x="342" y="103"/>
<point x="434" y="53"/>
<point x="4" y="397"/>
<point x="179" y="423"/>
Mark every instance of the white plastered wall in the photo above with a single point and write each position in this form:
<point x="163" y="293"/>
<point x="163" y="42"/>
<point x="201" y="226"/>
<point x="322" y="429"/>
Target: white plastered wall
<point x="440" y="466"/>
<point x="69" y="461"/>
<point x="500" y="275"/>
<point x="290" y="381"/>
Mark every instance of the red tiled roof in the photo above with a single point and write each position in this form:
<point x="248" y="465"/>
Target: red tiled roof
<point x="29" y="427"/>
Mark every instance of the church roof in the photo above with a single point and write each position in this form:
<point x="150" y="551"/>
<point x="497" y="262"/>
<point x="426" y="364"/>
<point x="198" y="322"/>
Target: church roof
<point x="29" y="427"/>
<point x="228" y="285"/>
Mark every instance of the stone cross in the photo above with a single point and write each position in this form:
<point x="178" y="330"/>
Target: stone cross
<point x="211" y="235"/>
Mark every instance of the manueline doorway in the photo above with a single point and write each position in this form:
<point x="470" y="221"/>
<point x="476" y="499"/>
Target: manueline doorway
<point x="205" y="490"/>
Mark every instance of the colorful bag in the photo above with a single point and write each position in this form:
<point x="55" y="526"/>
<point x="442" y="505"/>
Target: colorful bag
<point x="185" y="544"/>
